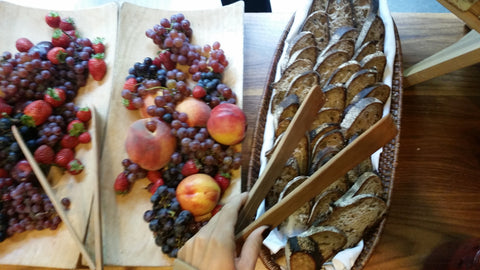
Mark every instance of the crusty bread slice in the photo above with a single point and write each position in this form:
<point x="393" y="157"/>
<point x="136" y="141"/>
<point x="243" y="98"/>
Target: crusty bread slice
<point x="317" y="23"/>
<point x="303" y="83"/>
<point x="366" y="49"/>
<point x="326" y="64"/>
<point x="326" y="115"/>
<point x="367" y="183"/>
<point x="361" y="116"/>
<point x="345" y="32"/>
<point x="378" y="90"/>
<point x="376" y="61"/>
<point x="322" y="202"/>
<point x="345" y="44"/>
<point x="287" y="108"/>
<point x="344" y="71"/>
<point x="282" y="126"/>
<point x="289" y="172"/>
<point x="321" y="152"/>
<point x="340" y="14"/>
<point x="329" y="239"/>
<point x="361" y="9"/>
<point x="318" y="5"/>
<point x="372" y="29"/>
<point x="358" y="81"/>
<point x="309" y="53"/>
<point x="301" y="154"/>
<point x="355" y="215"/>
<point x="297" y="222"/>
<point x="302" y="253"/>
<point x="317" y="133"/>
<point x="364" y="166"/>
<point x="334" y="96"/>
<point x="301" y="40"/>
<point x="281" y="85"/>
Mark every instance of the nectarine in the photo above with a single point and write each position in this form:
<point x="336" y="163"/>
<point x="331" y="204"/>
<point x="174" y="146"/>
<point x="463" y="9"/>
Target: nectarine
<point x="227" y="124"/>
<point x="150" y="147"/>
<point x="198" y="193"/>
<point x="197" y="111"/>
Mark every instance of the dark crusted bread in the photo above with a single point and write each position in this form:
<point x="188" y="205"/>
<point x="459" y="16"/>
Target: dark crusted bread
<point x="326" y="64"/>
<point x="345" y="44"/>
<point x="345" y="32"/>
<point x="302" y="253"/>
<point x="378" y="90"/>
<point x="364" y="166"/>
<point x="287" y="107"/>
<point x="303" y="83"/>
<point x="334" y="96"/>
<point x="340" y="14"/>
<point x="282" y="126"/>
<point x="367" y="183"/>
<point x="358" y="81"/>
<point x="281" y="85"/>
<point x="300" y="153"/>
<point x="289" y="172"/>
<point x="309" y="53"/>
<point x="366" y="49"/>
<point x="344" y="71"/>
<point x="317" y="23"/>
<point x="327" y="115"/>
<point x="361" y="9"/>
<point x="300" y="41"/>
<point x="376" y="61"/>
<point x="320" y="156"/>
<point x="355" y="215"/>
<point x="298" y="220"/>
<point x="334" y="139"/>
<point x="322" y="202"/>
<point x="329" y="240"/>
<point x="372" y="29"/>
<point x="361" y="116"/>
<point x="317" y="133"/>
<point x="318" y="5"/>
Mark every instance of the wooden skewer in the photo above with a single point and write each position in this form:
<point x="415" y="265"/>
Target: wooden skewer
<point x="361" y="148"/>
<point x="97" y="216"/>
<point x="297" y="128"/>
<point x="51" y="194"/>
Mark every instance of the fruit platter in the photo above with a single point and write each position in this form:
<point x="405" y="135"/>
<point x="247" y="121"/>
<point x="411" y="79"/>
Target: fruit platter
<point x="36" y="87"/>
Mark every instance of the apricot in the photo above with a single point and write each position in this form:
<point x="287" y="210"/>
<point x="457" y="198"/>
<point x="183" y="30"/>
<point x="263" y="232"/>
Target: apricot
<point x="227" y="124"/>
<point x="150" y="143"/>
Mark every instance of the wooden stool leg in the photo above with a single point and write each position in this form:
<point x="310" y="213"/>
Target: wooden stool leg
<point x="463" y="53"/>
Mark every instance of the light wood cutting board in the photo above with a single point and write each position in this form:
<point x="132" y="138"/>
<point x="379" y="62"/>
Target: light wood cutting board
<point x="126" y="237"/>
<point x="56" y="248"/>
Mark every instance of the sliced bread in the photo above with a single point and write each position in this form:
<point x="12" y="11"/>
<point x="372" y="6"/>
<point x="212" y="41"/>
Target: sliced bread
<point x="361" y="116"/>
<point x="334" y="96"/>
<point x="358" y="81"/>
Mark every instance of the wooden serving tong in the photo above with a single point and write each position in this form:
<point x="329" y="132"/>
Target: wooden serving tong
<point x="98" y="264"/>
<point x="361" y="148"/>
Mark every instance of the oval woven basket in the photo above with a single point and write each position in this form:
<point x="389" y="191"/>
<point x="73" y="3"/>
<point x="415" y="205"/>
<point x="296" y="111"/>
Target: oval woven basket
<point x="387" y="161"/>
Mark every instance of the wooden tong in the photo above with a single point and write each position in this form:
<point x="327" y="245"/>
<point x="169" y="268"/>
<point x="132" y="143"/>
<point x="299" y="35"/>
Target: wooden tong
<point x="361" y="148"/>
<point x="57" y="204"/>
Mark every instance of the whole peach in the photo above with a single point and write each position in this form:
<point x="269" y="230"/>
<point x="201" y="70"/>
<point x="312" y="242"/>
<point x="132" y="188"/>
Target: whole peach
<point x="150" y="147"/>
<point x="197" y="111"/>
<point x="227" y="124"/>
<point x="198" y="193"/>
<point x="148" y="100"/>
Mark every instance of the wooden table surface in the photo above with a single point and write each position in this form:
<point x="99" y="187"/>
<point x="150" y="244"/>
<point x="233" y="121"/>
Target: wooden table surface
<point x="436" y="189"/>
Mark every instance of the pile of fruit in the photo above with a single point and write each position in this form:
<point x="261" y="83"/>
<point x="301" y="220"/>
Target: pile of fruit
<point x="187" y="140"/>
<point x="38" y="85"/>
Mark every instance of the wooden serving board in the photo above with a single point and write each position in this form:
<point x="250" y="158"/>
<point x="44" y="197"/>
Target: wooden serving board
<point x="56" y="248"/>
<point x="126" y="237"/>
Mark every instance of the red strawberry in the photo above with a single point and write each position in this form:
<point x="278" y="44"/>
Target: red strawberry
<point x="153" y="176"/>
<point x="55" y="96"/>
<point x="128" y="104"/>
<point x="60" y="39"/>
<point x="5" y="109"/>
<point x="198" y="92"/>
<point x="166" y="61"/>
<point x="121" y="185"/>
<point x="84" y="114"/>
<point x="98" y="46"/>
<point x="64" y="156"/>
<point x="36" y="113"/>
<point x="52" y="19"/>
<point x="23" y="44"/>
<point x="130" y="85"/>
<point x="84" y="137"/>
<point x="75" y="167"/>
<point x="190" y="167"/>
<point x="97" y="66"/>
<point x="154" y="186"/>
<point x="68" y="141"/>
<point x="223" y="180"/>
<point x="67" y="24"/>
<point x="57" y="55"/>
<point x="75" y="128"/>
<point x="157" y="62"/>
<point x="44" y="154"/>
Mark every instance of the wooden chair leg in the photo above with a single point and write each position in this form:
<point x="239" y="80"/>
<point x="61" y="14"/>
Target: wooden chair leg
<point x="463" y="53"/>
